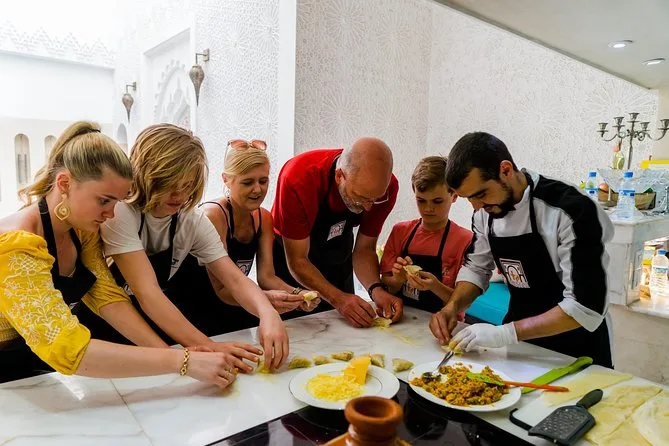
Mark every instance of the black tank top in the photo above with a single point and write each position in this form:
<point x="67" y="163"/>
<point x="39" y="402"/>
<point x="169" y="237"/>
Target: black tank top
<point x="243" y="254"/>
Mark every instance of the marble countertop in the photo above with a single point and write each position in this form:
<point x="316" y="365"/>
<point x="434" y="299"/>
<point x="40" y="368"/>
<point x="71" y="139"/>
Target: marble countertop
<point x="646" y="217"/>
<point x="170" y="410"/>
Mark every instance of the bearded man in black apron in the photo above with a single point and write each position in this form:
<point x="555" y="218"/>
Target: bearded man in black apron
<point x="321" y="196"/>
<point x="548" y="240"/>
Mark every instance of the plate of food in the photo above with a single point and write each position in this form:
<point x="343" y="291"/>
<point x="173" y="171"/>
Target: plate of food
<point x="456" y="388"/>
<point x="331" y="386"/>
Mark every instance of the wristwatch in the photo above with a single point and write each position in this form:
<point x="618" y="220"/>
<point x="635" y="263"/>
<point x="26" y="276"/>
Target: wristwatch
<point x="375" y="285"/>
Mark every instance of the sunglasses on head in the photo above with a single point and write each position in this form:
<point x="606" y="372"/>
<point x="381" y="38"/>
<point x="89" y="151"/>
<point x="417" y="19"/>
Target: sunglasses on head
<point x="242" y="144"/>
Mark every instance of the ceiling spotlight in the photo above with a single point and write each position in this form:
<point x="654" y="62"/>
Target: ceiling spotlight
<point x="654" y="61"/>
<point x="620" y="44"/>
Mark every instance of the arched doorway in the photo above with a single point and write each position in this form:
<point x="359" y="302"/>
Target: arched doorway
<point x="122" y="137"/>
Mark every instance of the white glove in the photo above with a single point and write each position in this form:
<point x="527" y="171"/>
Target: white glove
<point x="484" y="335"/>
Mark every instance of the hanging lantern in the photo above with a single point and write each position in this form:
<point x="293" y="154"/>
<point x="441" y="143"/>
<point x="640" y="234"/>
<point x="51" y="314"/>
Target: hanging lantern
<point x="196" y="74"/>
<point x="127" y="98"/>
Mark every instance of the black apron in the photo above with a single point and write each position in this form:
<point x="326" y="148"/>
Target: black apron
<point x="200" y="304"/>
<point x="330" y="248"/>
<point x="536" y="287"/>
<point x="243" y="254"/>
<point x="205" y="309"/>
<point x="17" y="358"/>
<point x="161" y="262"/>
<point x="425" y="300"/>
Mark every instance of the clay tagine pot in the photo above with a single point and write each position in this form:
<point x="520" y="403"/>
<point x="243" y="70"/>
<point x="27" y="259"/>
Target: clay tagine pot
<point x="373" y="422"/>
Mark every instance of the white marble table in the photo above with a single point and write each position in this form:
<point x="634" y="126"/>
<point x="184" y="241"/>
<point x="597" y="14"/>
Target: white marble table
<point x="170" y="410"/>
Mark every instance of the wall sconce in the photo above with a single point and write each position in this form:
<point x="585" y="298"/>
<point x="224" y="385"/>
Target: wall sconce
<point x="196" y="74"/>
<point x="127" y="98"/>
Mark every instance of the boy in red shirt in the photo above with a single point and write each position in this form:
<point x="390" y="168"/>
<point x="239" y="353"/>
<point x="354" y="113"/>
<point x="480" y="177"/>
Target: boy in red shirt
<point x="432" y="242"/>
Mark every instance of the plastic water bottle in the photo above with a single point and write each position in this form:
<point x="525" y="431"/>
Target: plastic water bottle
<point x="659" y="284"/>
<point x="591" y="187"/>
<point x="626" y="205"/>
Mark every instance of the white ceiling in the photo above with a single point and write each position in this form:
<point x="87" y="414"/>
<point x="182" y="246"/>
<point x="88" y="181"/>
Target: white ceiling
<point x="582" y="29"/>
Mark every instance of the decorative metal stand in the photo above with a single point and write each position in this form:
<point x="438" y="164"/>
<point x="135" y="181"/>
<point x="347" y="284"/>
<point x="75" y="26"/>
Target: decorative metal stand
<point x="631" y="132"/>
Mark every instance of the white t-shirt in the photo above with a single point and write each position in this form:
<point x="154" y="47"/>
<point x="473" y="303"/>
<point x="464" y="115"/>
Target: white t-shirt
<point x="195" y="235"/>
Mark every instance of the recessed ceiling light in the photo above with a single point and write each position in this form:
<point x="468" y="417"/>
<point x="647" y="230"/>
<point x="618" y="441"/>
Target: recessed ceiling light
<point x="654" y="61"/>
<point x="620" y="44"/>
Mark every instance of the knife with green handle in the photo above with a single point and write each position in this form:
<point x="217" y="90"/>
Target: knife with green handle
<point x="556" y="374"/>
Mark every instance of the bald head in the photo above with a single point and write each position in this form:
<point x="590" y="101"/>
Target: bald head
<point x="368" y="167"/>
<point x="370" y="155"/>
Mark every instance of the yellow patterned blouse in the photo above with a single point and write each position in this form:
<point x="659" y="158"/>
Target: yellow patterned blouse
<point x="31" y="307"/>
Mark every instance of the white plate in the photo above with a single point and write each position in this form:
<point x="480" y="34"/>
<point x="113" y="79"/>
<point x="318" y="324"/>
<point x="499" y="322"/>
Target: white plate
<point x="379" y="383"/>
<point x="507" y="400"/>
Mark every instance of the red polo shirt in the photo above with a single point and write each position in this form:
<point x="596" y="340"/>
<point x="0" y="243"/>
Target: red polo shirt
<point x="301" y="188"/>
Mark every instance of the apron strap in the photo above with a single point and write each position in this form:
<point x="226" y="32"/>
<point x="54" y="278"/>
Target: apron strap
<point x="141" y="226"/>
<point x="230" y="217"/>
<point x="231" y="229"/>
<point x="212" y="202"/>
<point x="173" y="229"/>
<point x="443" y="239"/>
<point x="47" y="227"/>
<point x="333" y="171"/>
<point x="533" y="219"/>
<point x="51" y="239"/>
<point x="444" y="236"/>
<point x="75" y="241"/>
<point x="405" y="248"/>
<point x="259" y="231"/>
<point x="231" y="220"/>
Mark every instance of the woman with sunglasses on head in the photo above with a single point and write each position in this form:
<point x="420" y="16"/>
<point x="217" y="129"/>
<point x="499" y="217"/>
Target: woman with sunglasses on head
<point x="247" y="232"/>
<point x="158" y="226"/>
<point x="51" y="261"/>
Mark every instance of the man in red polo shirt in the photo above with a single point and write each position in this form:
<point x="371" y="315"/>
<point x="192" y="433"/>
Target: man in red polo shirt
<point x="321" y="196"/>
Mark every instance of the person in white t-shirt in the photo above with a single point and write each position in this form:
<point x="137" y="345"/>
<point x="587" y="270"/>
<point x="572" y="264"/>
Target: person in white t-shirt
<point x="158" y="226"/>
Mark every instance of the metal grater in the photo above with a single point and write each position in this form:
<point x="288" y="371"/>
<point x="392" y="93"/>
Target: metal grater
<point x="565" y="425"/>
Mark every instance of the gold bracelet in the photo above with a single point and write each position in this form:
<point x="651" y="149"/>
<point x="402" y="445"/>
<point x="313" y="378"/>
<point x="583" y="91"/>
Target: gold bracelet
<point x="184" y="366"/>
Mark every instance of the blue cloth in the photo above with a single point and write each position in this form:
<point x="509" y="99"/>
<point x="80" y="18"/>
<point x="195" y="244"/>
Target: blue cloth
<point x="492" y="305"/>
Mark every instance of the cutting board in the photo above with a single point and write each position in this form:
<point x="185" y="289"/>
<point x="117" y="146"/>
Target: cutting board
<point x="537" y="410"/>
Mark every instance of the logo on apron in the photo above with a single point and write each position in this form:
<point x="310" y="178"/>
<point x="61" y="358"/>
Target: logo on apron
<point x="244" y="266"/>
<point x="513" y="270"/>
<point x="336" y="230"/>
<point x="410" y="292"/>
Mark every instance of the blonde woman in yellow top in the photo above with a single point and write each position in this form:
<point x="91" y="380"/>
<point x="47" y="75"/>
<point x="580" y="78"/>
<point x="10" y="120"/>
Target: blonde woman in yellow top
<point x="159" y="225"/>
<point x="51" y="261"/>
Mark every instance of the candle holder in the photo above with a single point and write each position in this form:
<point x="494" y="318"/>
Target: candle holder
<point x="631" y="132"/>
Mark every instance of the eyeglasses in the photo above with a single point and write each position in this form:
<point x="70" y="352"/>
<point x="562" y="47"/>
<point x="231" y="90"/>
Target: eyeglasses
<point x="361" y="202"/>
<point x="368" y="202"/>
<point x="242" y="144"/>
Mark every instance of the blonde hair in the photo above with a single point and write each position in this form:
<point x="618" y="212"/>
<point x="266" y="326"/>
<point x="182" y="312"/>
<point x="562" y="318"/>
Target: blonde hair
<point x="84" y="152"/>
<point x="242" y="161"/>
<point x="163" y="157"/>
<point x="429" y="173"/>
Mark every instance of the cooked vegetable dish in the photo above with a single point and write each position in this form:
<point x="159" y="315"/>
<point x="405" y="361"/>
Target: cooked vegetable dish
<point x="458" y="389"/>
